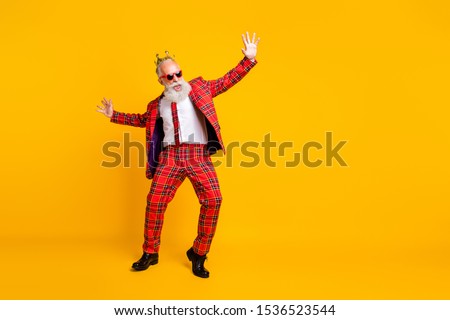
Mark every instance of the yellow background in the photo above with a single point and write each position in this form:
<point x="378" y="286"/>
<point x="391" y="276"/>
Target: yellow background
<point x="375" y="73"/>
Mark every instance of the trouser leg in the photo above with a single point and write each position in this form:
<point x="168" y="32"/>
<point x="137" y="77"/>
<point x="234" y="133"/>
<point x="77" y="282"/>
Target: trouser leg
<point x="204" y="179"/>
<point x="168" y="177"/>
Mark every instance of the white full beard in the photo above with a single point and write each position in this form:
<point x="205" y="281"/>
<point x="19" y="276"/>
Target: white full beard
<point x="177" y="96"/>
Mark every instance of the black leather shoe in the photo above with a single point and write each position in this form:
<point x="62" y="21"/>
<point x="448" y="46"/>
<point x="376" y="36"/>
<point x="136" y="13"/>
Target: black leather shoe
<point x="197" y="264"/>
<point x="147" y="260"/>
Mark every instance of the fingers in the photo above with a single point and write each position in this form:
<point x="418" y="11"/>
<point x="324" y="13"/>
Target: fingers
<point x="106" y="102"/>
<point x="100" y="109"/>
<point x="247" y="41"/>
<point x="243" y="39"/>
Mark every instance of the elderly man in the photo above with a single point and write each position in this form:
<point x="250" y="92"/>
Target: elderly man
<point x="182" y="131"/>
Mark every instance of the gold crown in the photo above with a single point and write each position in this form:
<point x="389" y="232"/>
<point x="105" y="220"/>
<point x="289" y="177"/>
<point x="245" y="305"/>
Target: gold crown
<point x="159" y="60"/>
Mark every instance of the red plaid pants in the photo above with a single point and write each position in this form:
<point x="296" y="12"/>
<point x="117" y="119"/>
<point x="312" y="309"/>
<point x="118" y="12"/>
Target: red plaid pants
<point x="175" y="164"/>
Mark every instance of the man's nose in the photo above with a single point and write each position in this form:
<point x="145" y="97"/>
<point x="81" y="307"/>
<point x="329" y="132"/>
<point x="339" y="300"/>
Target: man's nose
<point x="175" y="78"/>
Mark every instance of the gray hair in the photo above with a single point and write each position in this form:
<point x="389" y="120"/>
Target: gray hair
<point x="158" y="67"/>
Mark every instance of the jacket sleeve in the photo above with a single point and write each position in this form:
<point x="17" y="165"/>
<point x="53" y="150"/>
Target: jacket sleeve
<point x="231" y="77"/>
<point x="130" y="119"/>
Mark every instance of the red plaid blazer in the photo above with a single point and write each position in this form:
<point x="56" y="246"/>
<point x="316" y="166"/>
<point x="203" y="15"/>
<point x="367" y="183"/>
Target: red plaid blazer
<point x="202" y="94"/>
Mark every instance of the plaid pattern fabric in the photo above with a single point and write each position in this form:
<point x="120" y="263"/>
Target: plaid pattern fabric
<point x="130" y="119"/>
<point x="177" y="163"/>
<point x="176" y="124"/>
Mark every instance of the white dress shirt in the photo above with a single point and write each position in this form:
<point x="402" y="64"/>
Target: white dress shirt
<point x="191" y="121"/>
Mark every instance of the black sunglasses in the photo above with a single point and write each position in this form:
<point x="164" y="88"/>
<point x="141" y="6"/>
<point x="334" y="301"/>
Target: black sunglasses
<point x="170" y="76"/>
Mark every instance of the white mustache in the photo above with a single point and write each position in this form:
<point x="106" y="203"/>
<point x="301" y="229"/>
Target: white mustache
<point x="175" y="83"/>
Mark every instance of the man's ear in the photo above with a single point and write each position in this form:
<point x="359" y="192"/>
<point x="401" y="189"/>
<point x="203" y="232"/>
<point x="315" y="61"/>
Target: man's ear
<point x="160" y="81"/>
